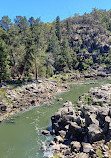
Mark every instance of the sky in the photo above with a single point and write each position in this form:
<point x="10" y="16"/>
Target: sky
<point x="48" y="10"/>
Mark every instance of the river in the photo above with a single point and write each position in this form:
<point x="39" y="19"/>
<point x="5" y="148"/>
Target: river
<point x="20" y="135"/>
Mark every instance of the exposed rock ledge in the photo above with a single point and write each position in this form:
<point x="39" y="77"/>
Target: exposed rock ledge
<point x="84" y="131"/>
<point x="20" y="98"/>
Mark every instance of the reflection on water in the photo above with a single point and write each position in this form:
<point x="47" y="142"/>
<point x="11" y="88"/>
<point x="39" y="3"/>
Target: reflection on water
<point x="20" y="136"/>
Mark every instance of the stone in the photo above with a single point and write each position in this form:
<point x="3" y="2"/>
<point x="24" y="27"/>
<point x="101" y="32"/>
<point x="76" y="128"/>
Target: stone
<point x="94" y="133"/>
<point x="107" y="119"/>
<point x="45" y="132"/>
<point x="74" y="129"/>
<point x="67" y="104"/>
<point x="69" y="118"/>
<point x="75" y="146"/>
<point x="60" y="99"/>
<point x="55" y="147"/>
<point x="62" y="133"/>
<point x="43" y="148"/>
<point x="64" y="111"/>
<point x="56" y="116"/>
<point x="52" y="143"/>
<point x="106" y="155"/>
<point x="58" y="139"/>
<point x="82" y="155"/>
<point x="86" y="147"/>
<point x="103" y="112"/>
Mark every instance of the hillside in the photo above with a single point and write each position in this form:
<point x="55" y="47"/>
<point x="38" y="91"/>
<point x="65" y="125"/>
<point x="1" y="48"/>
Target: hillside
<point x="30" y="48"/>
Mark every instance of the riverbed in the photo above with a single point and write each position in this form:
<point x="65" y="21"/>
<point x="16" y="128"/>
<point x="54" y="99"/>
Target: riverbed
<point x="20" y="134"/>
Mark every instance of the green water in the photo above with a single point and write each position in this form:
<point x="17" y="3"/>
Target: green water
<point x="22" y="139"/>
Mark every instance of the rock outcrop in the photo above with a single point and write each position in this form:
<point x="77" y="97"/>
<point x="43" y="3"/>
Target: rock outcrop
<point x="84" y="131"/>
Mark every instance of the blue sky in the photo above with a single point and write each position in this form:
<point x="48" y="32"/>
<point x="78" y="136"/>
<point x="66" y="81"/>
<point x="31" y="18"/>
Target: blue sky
<point x="48" y="10"/>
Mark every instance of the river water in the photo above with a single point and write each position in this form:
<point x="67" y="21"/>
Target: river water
<point x="20" y="135"/>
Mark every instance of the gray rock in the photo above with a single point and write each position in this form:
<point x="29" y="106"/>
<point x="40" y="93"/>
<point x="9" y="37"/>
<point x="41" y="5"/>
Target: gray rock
<point x="45" y="132"/>
<point x="82" y="155"/>
<point x="60" y="99"/>
<point x="43" y="148"/>
<point x="58" y="147"/>
<point x="74" y="130"/>
<point x="52" y="143"/>
<point x="75" y="146"/>
<point x="62" y="133"/>
<point x="67" y="104"/>
<point x="58" y="139"/>
<point x="87" y="147"/>
<point x="94" y="133"/>
<point x="55" y="147"/>
<point x="103" y="112"/>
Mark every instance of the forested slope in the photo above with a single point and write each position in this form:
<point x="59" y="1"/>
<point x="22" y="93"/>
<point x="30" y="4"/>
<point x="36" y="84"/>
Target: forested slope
<point x="30" y="48"/>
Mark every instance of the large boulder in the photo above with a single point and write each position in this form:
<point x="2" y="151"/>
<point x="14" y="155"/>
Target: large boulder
<point x="94" y="133"/>
<point x="74" y="131"/>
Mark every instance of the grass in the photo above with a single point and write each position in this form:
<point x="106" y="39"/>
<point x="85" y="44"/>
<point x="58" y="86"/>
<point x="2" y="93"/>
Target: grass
<point x="99" y="153"/>
<point x="57" y="156"/>
<point x="3" y="96"/>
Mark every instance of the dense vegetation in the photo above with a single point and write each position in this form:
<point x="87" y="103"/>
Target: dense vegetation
<point x="31" y="48"/>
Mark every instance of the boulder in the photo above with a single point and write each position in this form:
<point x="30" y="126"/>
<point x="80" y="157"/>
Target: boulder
<point x="45" y="132"/>
<point x="55" y="147"/>
<point x="103" y="112"/>
<point x="67" y="104"/>
<point x="94" y="133"/>
<point x="58" y="139"/>
<point x="62" y="133"/>
<point x="74" y="130"/>
<point x="87" y="147"/>
<point x="60" y="99"/>
<point x="75" y="146"/>
<point x="43" y="148"/>
<point x="58" y="147"/>
<point x="52" y="143"/>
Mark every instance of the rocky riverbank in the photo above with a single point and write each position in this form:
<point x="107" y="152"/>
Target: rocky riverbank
<point x="83" y="131"/>
<point x="94" y="73"/>
<point x="15" y="98"/>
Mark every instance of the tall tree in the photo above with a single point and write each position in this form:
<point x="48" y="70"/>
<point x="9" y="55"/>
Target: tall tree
<point x="68" y="28"/>
<point x="4" y="67"/>
<point x="58" y="28"/>
<point x="5" y="23"/>
<point x="66" y="52"/>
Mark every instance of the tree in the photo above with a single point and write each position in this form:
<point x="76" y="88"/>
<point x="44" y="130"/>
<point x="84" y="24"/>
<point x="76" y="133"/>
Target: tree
<point x="54" y="49"/>
<point x="58" y="28"/>
<point x="64" y="58"/>
<point x="68" y="28"/>
<point x="5" y="23"/>
<point x="22" y="25"/>
<point x="4" y="67"/>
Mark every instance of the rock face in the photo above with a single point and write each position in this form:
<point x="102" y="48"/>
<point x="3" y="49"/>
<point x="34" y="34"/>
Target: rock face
<point x="86" y="130"/>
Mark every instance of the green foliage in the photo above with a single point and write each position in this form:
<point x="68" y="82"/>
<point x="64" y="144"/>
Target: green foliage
<point x="58" y="28"/>
<point x="99" y="153"/>
<point x="4" y="63"/>
<point x="29" y="47"/>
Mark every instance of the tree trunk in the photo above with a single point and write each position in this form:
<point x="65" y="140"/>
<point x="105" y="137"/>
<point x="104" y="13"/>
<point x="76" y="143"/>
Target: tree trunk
<point x="36" y="74"/>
